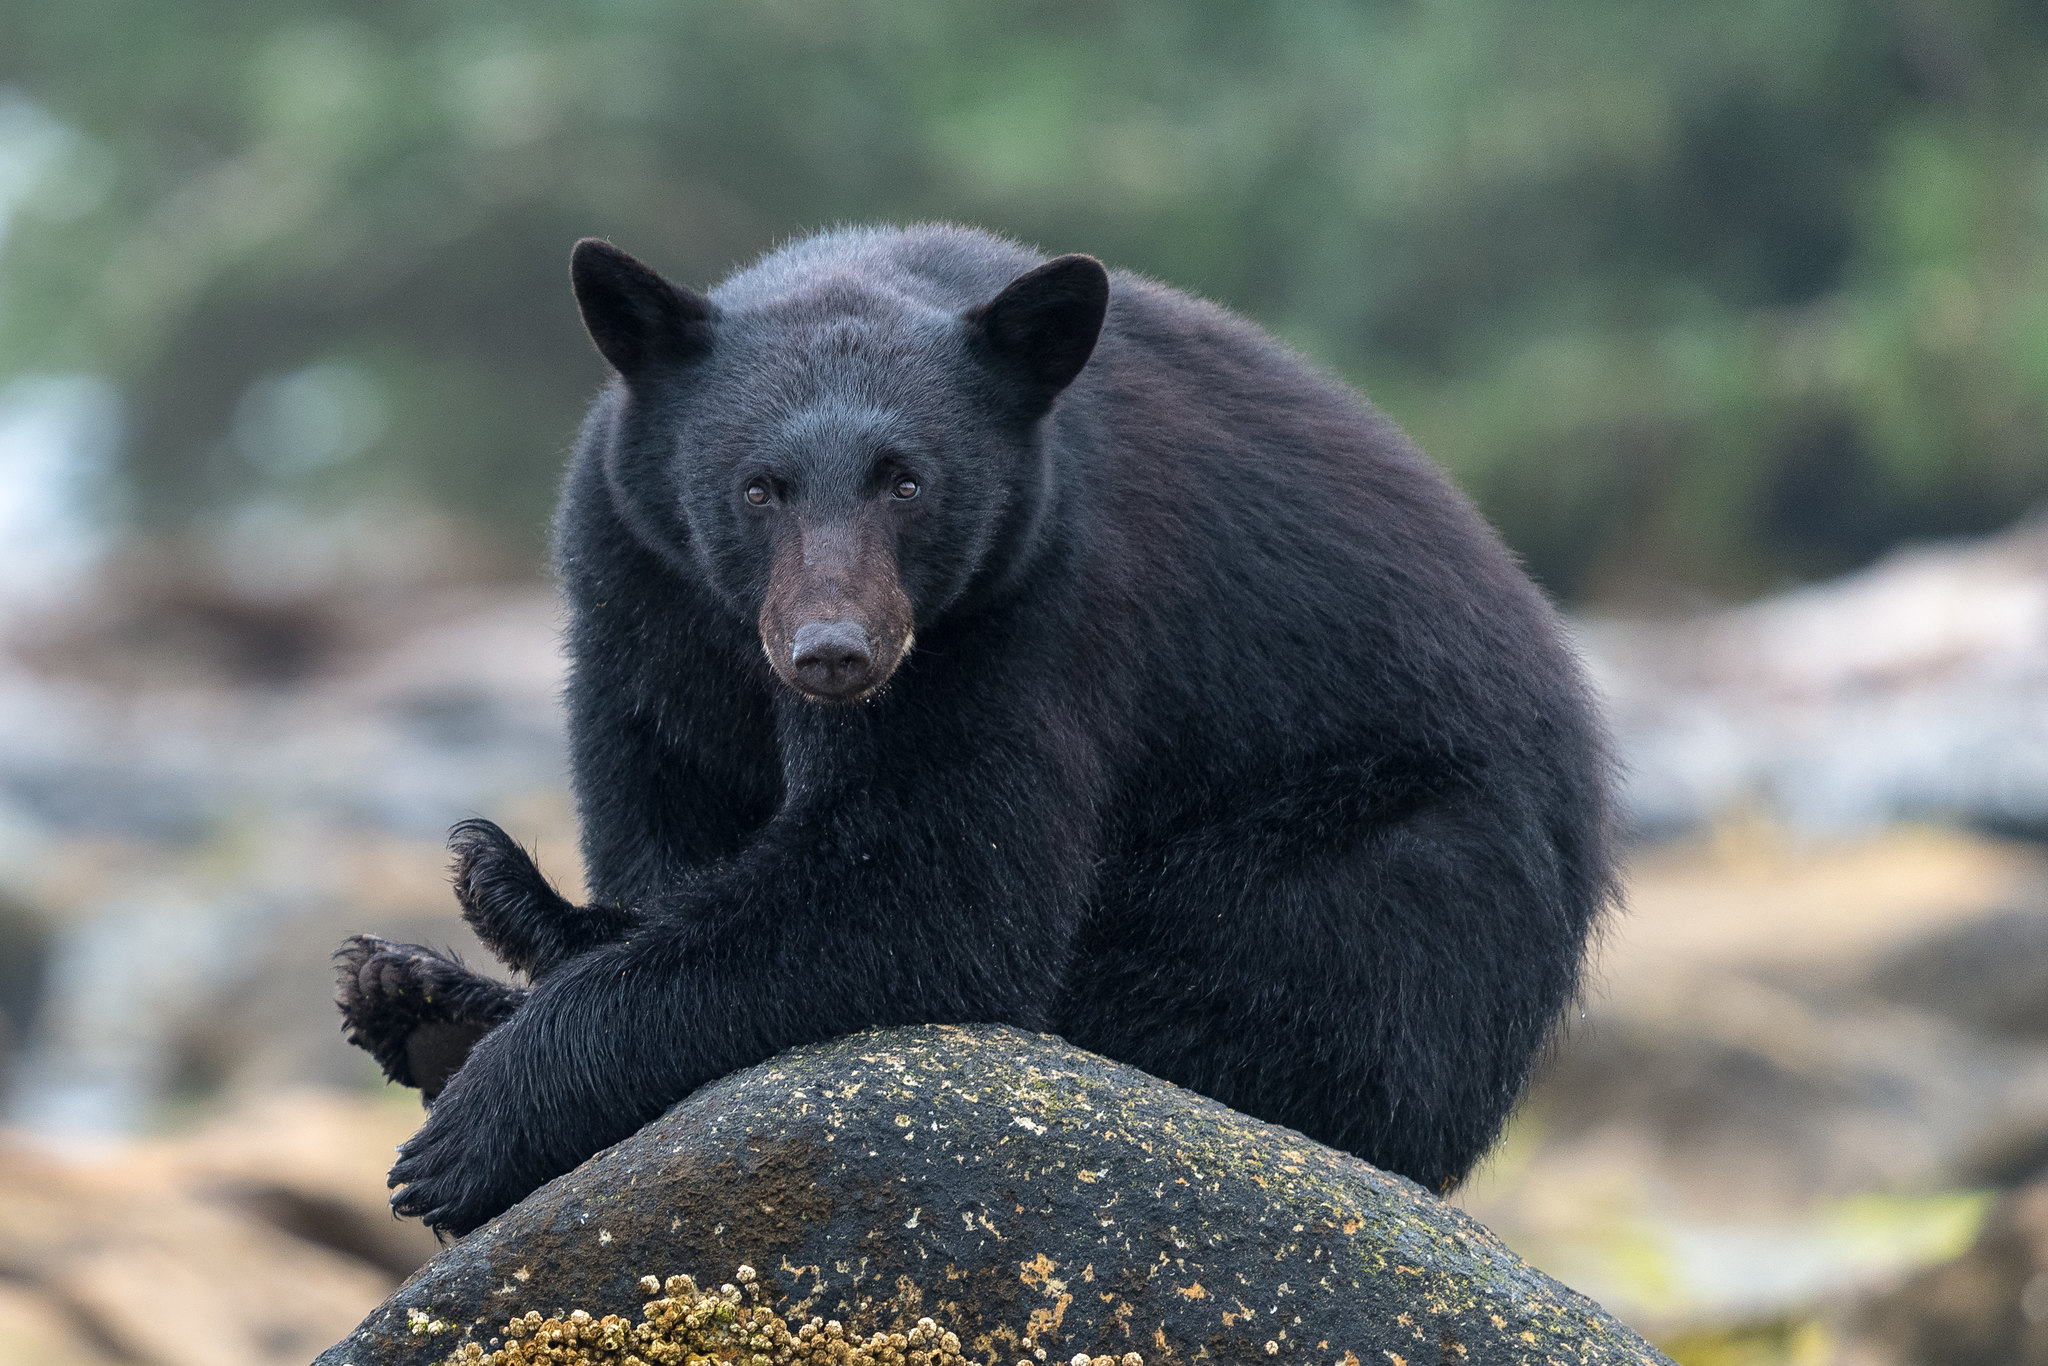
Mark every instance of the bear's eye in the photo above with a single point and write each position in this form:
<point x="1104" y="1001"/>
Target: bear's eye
<point x="905" y="488"/>
<point x="757" y="493"/>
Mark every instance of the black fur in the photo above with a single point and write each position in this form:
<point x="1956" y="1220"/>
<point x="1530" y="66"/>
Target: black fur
<point x="1232" y="744"/>
<point x="1045" y="323"/>
<point x="515" y="910"/>
<point x="637" y="320"/>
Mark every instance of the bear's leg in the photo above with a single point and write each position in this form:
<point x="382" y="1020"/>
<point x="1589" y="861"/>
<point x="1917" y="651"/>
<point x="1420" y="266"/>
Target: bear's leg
<point x="1385" y="996"/>
<point x="515" y="910"/>
<point x="413" y="1010"/>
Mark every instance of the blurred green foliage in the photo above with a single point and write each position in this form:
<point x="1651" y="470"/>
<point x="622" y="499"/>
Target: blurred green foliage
<point x="1712" y="294"/>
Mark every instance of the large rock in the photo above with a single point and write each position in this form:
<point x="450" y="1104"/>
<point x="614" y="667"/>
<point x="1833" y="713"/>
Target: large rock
<point x="1037" y="1200"/>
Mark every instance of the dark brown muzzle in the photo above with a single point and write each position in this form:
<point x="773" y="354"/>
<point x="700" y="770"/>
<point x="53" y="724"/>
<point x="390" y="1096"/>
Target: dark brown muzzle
<point x="836" y="622"/>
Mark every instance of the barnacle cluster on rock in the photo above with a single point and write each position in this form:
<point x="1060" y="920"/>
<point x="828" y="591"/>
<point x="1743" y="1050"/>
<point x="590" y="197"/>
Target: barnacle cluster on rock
<point x="681" y="1325"/>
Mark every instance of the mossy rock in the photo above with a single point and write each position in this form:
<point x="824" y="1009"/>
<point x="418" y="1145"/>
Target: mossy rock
<point x="1038" y="1201"/>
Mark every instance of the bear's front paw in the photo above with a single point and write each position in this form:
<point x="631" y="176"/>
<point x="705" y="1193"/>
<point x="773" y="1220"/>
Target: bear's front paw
<point x="448" y="1178"/>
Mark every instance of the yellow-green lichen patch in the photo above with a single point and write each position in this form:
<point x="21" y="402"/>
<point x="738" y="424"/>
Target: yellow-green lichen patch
<point x="685" y="1326"/>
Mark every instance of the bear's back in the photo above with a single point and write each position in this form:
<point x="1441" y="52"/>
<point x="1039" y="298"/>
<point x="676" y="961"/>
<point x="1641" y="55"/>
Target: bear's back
<point x="1268" y="541"/>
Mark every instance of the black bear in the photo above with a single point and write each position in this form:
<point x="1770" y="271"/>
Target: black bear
<point x="958" y="635"/>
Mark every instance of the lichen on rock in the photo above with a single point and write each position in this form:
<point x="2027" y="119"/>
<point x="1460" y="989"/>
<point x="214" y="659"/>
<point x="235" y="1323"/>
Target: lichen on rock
<point x="686" y="1326"/>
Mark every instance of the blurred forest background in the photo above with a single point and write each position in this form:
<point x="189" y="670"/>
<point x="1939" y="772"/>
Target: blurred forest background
<point x="1732" y="315"/>
<point x="1700" y="297"/>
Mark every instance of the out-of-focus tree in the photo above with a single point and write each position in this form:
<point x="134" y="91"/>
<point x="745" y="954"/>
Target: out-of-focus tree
<point x="1710" y="294"/>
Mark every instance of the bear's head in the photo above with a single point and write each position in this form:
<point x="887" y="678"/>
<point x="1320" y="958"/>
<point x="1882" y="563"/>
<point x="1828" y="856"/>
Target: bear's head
<point x="841" y="461"/>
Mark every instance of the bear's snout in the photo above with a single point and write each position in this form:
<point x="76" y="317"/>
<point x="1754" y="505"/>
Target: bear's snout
<point x="836" y="622"/>
<point x="832" y="658"/>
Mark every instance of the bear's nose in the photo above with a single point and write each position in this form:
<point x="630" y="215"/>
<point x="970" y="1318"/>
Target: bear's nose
<point x="831" y="658"/>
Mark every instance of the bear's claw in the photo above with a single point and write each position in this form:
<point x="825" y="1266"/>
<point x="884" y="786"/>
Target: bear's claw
<point x="448" y="1175"/>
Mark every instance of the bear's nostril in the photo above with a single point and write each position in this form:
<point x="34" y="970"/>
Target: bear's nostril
<point x="831" y="656"/>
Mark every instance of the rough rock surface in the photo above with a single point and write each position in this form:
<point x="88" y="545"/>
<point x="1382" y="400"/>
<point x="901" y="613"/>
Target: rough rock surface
<point x="1038" y="1200"/>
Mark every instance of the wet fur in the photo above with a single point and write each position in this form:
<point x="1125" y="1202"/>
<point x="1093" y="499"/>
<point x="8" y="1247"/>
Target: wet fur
<point x="1233" y="745"/>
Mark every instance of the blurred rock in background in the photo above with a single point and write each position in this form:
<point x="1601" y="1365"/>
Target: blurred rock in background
<point x="1773" y="1103"/>
<point x="206" y="783"/>
<point x="254" y="1240"/>
<point x="1914" y="690"/>
<point x="1806" y="1099"/>
<point x="1816" y="1053"/>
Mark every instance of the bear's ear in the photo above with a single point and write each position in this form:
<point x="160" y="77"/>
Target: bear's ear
<point x="1044" y="324"/>
<point x="636" y="318"/>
